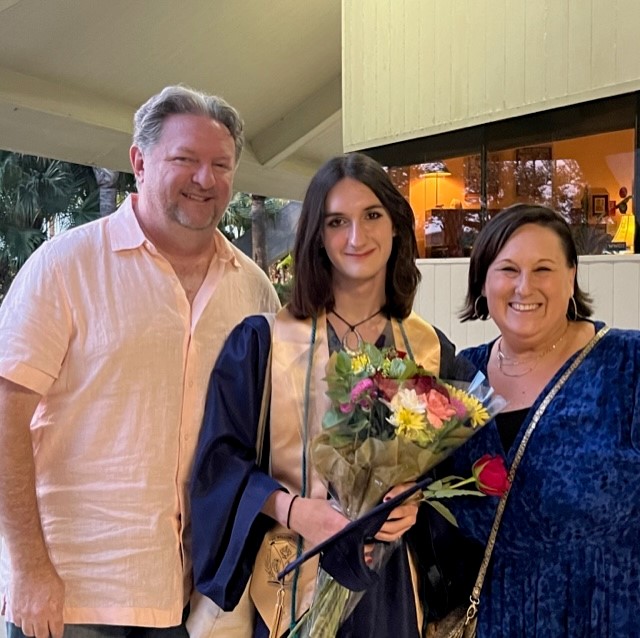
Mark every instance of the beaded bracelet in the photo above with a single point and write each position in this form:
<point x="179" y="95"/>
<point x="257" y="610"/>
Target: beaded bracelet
<point x="295" y="496"/>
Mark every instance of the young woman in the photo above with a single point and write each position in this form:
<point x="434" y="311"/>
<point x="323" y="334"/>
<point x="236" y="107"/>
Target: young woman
<point x="355" y="278"/>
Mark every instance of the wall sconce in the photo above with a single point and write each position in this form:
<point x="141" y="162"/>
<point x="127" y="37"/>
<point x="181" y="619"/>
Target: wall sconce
<point x="435" y="170"/>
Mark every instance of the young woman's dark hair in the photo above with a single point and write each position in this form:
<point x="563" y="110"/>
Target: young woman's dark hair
<point x="312" y="281"/>
<point x="491" y="241"/>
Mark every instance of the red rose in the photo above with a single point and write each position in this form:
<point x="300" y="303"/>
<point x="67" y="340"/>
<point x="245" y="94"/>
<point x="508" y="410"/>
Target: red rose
<point x="490" y="474"/>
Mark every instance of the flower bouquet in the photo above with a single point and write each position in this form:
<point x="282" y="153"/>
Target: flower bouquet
<point x="390" y="422"/>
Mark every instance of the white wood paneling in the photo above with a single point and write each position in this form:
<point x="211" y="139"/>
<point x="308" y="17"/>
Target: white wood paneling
<point x="625" y="285"/>
<point x="495" y="73"/>
<point x="513" y="54"/>
<point x="580" y="46"/>
<point x="556" y="40"/>
<point x="439" y="108"/>
<point x="625" y="13"/>
<point x="535" y="55"/>
<point x="613" y="281"/>
<point x="413" y="68"/>
<point x="605" y="29"/>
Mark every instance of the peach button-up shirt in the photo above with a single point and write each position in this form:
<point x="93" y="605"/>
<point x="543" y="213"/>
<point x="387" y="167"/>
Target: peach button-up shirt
<point x="98" y="323"/>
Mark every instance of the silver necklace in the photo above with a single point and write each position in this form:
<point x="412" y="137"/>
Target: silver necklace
<point x="352" y="333"/>
<point x="505" y="362"/>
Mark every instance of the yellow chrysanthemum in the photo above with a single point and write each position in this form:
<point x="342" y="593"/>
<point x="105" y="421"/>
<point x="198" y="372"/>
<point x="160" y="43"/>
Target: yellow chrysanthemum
<point x="359" y="363"/>
<point x="411" y="425"/>
<point x="478" y="414"/>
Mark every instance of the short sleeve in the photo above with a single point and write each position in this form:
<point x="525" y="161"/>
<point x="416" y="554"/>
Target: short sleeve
<point x="35" y="323"/>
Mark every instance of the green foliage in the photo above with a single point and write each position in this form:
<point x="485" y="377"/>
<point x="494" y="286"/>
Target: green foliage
<point x="38" y="198"/>
<point x="281" y="276"/>
<point x="283" y="290"/>
<point x="402" y="369"/>
<point x="237" y="218"/>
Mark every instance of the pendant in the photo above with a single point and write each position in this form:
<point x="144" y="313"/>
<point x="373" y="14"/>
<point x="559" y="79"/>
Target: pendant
<point x="348" y="341"/>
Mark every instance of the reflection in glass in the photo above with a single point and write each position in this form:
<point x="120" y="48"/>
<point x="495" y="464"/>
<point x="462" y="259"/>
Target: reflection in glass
<point x="587" y="179"/>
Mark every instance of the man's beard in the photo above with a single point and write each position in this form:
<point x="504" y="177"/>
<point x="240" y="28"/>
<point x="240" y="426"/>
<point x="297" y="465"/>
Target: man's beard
<point x="176" y="214"/>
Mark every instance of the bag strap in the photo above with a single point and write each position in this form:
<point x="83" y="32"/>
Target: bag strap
<point x="477" y="588"/>
<point x="266" y="397"/>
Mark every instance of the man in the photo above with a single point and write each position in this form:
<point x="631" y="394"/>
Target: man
<point x="107" y="339"/>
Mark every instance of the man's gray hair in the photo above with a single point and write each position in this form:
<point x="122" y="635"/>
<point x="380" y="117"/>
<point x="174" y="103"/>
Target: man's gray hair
<point x="182" y="100"/>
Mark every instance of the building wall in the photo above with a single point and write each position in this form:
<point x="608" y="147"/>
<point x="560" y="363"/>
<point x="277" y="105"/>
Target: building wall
<point x="413" y="68"/>
<point x="613" y="281"/>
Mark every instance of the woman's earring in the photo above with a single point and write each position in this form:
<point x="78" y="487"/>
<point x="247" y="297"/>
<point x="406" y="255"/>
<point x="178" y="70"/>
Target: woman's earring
<point x="477" y="311"/>
<point x="573" y="305"/>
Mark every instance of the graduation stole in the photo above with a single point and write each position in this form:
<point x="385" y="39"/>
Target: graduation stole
<point x="300" y="353"/>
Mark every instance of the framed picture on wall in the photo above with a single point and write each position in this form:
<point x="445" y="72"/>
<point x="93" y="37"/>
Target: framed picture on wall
<point x="599" y="205"/>
<point x="533" y="172"/>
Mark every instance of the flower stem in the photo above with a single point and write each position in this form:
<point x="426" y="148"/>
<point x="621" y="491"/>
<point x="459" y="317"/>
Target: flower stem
<point x="455" y="486"/>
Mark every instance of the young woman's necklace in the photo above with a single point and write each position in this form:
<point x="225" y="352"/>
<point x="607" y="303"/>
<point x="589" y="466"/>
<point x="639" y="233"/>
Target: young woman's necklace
<point x="351" y="333"/>
<point x="505" y="362"/>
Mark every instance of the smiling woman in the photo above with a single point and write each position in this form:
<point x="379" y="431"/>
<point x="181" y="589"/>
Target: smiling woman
<point x="357" y="235"/>
<point x="523" y="274"/>
<point x="355" y="280"/>
<point x="573" y="502"/>
<point x="528" y="287"/>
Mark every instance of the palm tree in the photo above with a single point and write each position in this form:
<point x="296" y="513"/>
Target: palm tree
<point x="258" y="232"/>
<point x="247" y="211"/>
<point x="38" y="198"/>
<point x="237" y="218"/>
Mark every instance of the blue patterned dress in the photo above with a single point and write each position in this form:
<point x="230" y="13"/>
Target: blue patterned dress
<point x="567" y="557"/>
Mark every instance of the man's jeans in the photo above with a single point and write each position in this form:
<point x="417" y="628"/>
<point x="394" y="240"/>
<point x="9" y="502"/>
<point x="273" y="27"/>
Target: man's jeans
<point x="110" y="631"/>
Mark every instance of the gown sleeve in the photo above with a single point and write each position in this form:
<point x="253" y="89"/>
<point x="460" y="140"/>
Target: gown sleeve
<point x="447" y="561"/>
<point x="228" y="489"/>
<point x="453" y="366"/>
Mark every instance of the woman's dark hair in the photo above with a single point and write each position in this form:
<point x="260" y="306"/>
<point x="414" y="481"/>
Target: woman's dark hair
<point x="491" y="241"/>
<point x="312" y="276"/>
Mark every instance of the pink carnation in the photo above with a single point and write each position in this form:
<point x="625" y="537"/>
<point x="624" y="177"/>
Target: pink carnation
<point x="360" y="388"/>
<point x="461" y="410"/>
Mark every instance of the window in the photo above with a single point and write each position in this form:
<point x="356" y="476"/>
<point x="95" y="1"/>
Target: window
<point x="578" y="160"/>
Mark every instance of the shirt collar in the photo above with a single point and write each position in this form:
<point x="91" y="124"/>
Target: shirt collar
<point x="125" y="231"/>
<point x="224" y="251"/>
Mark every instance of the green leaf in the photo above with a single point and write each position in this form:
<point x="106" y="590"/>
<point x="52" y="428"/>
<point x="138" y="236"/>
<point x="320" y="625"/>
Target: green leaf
<point x="333" y="418"/>
<point x="451" y="479"/>
<point x="398" y="369"/>
<point x="443" y="511"/>
<point x="451" y="493"/>
<point x="343" y="364"/>
<point x="375" y="355"/>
